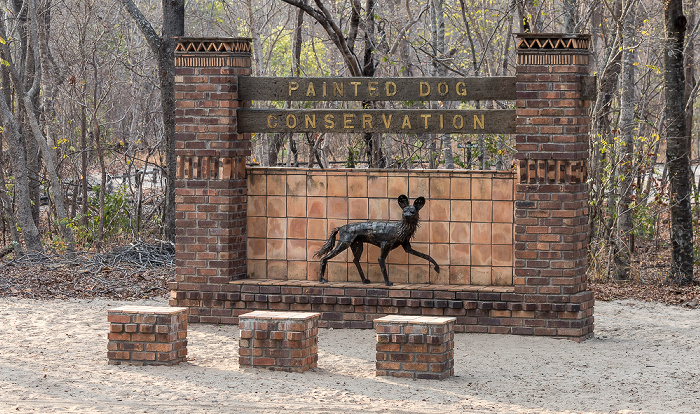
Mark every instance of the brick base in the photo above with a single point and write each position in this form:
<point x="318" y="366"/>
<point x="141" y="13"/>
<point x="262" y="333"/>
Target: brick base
<point x="279" y="341"/>
<point x="482" y="309"/>
<point x="420" y="347"/>
<point x="147" y="335"/>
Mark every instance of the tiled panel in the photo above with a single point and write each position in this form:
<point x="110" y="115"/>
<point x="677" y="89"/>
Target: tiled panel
<point x="466" y="224"/>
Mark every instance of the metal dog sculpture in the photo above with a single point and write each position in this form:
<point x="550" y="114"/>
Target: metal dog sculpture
<point x="384" y="234"/>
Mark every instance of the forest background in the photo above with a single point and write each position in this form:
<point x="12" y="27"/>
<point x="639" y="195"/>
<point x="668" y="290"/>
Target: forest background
<point x="87" y="129"/>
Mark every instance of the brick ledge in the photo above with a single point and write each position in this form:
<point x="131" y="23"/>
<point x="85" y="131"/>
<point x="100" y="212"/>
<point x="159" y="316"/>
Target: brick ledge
<point x="358" y="285"/>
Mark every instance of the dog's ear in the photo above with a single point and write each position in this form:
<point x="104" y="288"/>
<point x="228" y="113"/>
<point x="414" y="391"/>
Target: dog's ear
<point x="419" y="203"/>
<point x="403" y="201"/>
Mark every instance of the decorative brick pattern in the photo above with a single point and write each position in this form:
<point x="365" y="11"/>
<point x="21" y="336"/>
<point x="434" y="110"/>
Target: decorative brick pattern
<point x="466" y="225"/>
<point x="210" y="189"/>
<point x="551" y="206"/>
<point x="147" y="335"/>
<point x="420" y="347"/>
<point x="279" y="341"/>
<point x="481" y="309"/>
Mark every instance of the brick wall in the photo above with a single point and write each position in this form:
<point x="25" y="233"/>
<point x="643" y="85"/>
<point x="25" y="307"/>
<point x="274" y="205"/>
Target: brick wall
<point x="551" y="208"/>
<point x="466" y="224"/>
<point x="210" y="189"/>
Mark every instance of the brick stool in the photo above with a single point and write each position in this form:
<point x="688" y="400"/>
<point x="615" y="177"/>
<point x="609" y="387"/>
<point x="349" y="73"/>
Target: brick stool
<point x="280" y="341"/>
<point x="147" y="335"/>
<point x="415" y="346"/>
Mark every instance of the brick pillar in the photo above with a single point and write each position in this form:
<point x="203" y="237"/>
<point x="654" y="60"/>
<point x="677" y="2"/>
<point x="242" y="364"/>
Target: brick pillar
<point x="210" y="190"/>
<point x="551" y="208"/>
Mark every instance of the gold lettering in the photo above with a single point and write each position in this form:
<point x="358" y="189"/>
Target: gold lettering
<point x="425" y="119"/>
<point x="355" y="84"/>
<point x="347" y="118"/>
<point x="310" y="91"/>
<point x="387" y="122"/>
<point x="461" y="121"/>
<point x="392" y="86"/>
<point x="424" y="89"/>
<point x="406" y="122"/>
<point x="293" y="86"/>
<point x="372" y="88"/>
<point x="291" y="121"/>
<point x="442" y="122"/>
<point x="329" y="121"/>
<point x="310" y="120"/>
<point x="271" y="118"/>
<point x="461" y="89"/>
<point x="338" y="89"/>
<point x="324" y="88"/>
<point x="443" y="88"/>
<point x="366" y="121"/>
<point x="477" y="121"/>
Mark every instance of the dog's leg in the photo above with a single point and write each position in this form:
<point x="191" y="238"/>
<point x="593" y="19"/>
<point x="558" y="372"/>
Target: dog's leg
<point x="324" y="260"/>
<point x="408" y="249"/>
<point x="382" y="265"/>
<point x="357" y="249"/>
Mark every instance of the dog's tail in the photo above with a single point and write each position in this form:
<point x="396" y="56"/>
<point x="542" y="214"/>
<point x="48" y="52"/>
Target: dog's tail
<point x="328" y="245"/>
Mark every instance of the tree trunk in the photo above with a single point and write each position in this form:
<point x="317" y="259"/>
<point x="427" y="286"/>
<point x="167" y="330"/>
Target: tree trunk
<point x="624" y="235"/>
<point x="677" y="151"/>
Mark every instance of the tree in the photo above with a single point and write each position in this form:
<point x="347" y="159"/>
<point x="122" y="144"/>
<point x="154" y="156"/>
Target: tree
<point x="624" y="238"/>
<point x="163" y="48"/>
<point x="678" y="148"/>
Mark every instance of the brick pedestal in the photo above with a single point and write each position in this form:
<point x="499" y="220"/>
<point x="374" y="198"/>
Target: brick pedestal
<point x="419" y="347"/>
<point x="280" y="341"/>
<point x="147" y="335"/>
<point x="210" y="186"/>
<point x="551" y="196"/>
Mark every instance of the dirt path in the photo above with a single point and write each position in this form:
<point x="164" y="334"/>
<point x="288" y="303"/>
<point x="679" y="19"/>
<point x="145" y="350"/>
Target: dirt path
<point x="645" y="358"/>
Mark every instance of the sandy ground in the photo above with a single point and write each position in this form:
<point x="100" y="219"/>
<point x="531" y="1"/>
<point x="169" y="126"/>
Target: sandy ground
<point x="645" y="358"/>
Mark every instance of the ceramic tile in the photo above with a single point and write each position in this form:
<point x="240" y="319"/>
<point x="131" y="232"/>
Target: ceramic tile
<point x="337" y="185"/>
<point x="481" y="233"/>
<point x="418" y="186"/>
<point x="481" y="276"/>
<point x="276" y="249"/>
<point x="257" y="248"/>
<point x="461" y="210"/>
<point x="502" y="276"/>
<point x="257" y="184"/>
<point x="358" y="209"/>
<point x="439" y="188"/>
<point x="460" y="254"/>
<point x="378" y="209"/>
<point x="277" y="269"/>
<point x="296" y="207"/>
<point x="418" y="274"/>
<point x="277" y="184"/>
<point x="397" y="185"/>
<point x="296" y="228"/>
<point x="503" y="211"/>
<point x="482" y="211"/>
<point x="276" y="206"/>
<point x="257" y="269"/>
<point x="257" y="206"/>
<point x="317" y="229"/>
<point x="337" y="208"/>
<point x="357" y="185"/>
<point x="257" y="227"/>
<point x="296" y="270"/>
<point x="296" y="185"/>
<point x="276" y="228"/>
<point x="316" y="207"/>
<point x="296" y="249"/>
<point x="502" y="255"/>
<point x="377" y="186"/>
<point x="316" y="184"/>
<point x="481" y="188"/>
<point x="480" y="255"/>
<point x="502" y="233"/>
<point x="460" y="188"/>
<point x="460" y="275"/>
<point x="502" y="189"/>
<point x="439" y="210"/>
<point x="460" y="232"/>
<point x="439" y="232"/>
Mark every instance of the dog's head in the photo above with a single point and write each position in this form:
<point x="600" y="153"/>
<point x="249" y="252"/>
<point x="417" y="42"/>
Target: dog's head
<point x="410" y="212"/>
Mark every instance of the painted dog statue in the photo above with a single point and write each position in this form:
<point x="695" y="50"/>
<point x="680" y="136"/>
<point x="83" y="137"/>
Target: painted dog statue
<point x="387" y="235"/>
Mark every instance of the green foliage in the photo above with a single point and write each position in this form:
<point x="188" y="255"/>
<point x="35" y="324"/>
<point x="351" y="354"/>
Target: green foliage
<point x="116" y="216"/>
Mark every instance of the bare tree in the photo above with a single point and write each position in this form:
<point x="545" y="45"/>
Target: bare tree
<point x="678" y="149"/>
<point x="163" y="48"/>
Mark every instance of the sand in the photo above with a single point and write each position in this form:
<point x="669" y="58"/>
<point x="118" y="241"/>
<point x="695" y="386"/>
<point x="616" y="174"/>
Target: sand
<point x="645" y="357"/>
